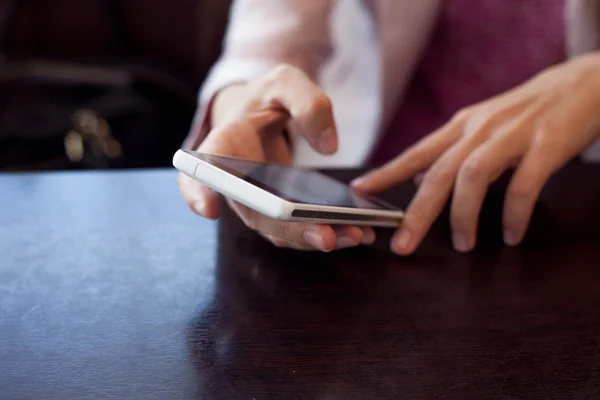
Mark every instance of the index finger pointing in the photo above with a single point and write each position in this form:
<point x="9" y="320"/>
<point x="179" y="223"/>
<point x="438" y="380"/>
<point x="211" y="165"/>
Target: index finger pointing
<point x="420" y="215"/>
<point x="310" y="109"/>
<point x="414" y="160"/>
<point x="431" y="197"/>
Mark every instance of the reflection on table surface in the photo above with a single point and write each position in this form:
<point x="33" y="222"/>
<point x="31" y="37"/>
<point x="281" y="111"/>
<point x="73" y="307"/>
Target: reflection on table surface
<point x="110" y="288"/>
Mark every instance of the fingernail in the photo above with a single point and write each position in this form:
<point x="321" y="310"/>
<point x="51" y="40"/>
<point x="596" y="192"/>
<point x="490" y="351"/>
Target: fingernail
<point x="357" y="182"/>
<point x="460" y="242"/>
<point x="315" y="239"/>
<point x="199" y="207"/>
<point x="328" y="141"/>
<point x="510" y="239"/>
<point x="402" y="243"/>
<point x="345" y="242"/>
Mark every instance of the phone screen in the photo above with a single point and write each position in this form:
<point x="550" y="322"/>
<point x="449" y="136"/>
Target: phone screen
<point x="296" y="185"/>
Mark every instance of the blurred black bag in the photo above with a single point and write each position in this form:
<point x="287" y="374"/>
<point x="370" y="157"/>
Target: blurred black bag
<point x="65" y="115"/>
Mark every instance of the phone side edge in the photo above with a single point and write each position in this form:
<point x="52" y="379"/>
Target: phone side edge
<point x="184" y="162"/>
<point x="256" y="198"/>
<point x="233" y="187"/>
<point x="397" y="214"/>
<point x="344" y="216"/>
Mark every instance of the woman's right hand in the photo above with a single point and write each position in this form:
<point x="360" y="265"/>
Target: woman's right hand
<point x="249" y="121"/>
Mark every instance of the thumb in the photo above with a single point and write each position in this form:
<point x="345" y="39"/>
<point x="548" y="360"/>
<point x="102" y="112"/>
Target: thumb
<point x="198" y="197"/>
<point x="235" y="140"/>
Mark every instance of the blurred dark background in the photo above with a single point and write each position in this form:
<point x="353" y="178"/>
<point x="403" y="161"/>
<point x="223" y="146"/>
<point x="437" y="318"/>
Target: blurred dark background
<point x="102" y="83"/>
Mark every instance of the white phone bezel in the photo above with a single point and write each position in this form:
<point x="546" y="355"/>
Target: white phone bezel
<point x="271" y="205"/>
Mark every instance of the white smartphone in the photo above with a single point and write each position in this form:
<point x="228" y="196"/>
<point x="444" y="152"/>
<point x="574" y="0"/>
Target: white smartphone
<point x="287" y="193"/>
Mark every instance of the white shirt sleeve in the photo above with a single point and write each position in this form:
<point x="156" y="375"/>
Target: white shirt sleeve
<point x="261" y="35"/>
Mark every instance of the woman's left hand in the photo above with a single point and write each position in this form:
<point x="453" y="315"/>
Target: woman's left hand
<point x="537" y="128"/>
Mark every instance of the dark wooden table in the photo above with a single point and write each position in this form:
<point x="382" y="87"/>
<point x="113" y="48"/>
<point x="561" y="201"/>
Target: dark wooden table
<point x="111" y="289"/>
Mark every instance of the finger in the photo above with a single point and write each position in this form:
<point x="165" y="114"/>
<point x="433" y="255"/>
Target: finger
<point x="476" y="173"/>
<point x="523" y="191"/>
<point x="368" y="235"/>
<point x="221" y="141"/>
<point x="352" y="236"/>
<point x="483" y="167"/>
<point x="347" y="236"/>
<point x="309" y="108"/>
<point x="414" y="160"/>
<point x="321" y="237"/>
<point x="201" y="199"/>
<point x="431" y="197"/>
<point x="286" y="244"/>
<point x="198" y="197"/>
<point x="238" y="139"/>
<point x="277" y="150"/>
<point x="469" y="122"/>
